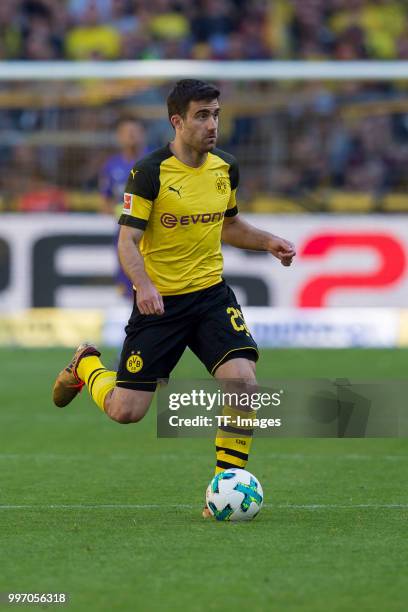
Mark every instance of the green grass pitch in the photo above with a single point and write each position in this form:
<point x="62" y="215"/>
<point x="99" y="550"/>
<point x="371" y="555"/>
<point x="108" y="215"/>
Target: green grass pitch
<point x="111" y="515"/>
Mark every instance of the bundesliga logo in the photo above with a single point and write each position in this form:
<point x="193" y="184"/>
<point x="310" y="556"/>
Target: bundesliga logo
<point x="169" y="220"/>
<point x="127" y="203"/>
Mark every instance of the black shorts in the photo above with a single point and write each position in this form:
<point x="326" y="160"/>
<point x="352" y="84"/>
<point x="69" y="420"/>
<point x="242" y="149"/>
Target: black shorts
<point x="208" y="321"/>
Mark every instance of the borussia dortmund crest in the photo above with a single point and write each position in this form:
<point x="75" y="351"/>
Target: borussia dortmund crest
<point x="134" y="364"/>
<point x="221" y="185"/>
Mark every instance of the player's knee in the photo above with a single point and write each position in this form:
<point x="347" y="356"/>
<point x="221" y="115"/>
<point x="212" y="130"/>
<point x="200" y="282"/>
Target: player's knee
<point x="128" y="406"/>
<point x="126" y="414"/>
<point x="247" y="371"/>
<point x="237" y="369"/>
<point x="127" y="411"/>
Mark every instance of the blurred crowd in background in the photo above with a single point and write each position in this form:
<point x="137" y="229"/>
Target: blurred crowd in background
<point x="301" y="146"/>
<point x="203" y="29"/>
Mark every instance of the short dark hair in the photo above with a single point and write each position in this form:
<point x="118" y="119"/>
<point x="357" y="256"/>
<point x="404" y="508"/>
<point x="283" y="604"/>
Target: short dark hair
<point x="187" y="90"/>
<point x="127" y="119"/>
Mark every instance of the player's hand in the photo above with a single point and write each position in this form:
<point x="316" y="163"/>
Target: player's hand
<point x="148" y="299"/>
<point x="282" y="249"/>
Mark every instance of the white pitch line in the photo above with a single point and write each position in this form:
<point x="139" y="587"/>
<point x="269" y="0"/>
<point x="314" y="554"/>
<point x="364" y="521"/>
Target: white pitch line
<point x="337" y="506"/>
<point x="60" y="457"/>
<point x="346" y="457"/>
<point x="167" y="456"/>
<point x="94" y="506"/>
<point x="191" y="507"/>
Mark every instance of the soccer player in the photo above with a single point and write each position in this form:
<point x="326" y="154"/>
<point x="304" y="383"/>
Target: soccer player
<point x="131" y="138"/>
<point x="180" y="202"/>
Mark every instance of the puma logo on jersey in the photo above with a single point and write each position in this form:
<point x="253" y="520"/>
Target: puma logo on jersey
<point x="133" y="173"/>
<point x="176" y="190"/>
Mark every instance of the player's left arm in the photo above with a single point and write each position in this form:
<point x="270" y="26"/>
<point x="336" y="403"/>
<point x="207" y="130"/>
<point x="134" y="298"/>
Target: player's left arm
<point x="241" y="234"/>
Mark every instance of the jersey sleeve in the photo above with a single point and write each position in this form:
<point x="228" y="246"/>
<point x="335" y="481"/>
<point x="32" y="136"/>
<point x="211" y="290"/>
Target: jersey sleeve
<point x="138" y="198"/>
<point x="232" y="207"/>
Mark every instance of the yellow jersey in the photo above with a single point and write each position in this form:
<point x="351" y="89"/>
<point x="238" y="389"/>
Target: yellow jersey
<point x="181" y="210"/>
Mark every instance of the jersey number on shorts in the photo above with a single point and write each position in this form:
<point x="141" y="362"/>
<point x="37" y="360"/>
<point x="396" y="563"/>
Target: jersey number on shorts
<point x="237" y="314"/>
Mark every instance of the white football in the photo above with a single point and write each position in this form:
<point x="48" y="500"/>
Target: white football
<point x="234" y="495"/>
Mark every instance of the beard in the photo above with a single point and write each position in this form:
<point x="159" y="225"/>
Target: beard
<point x="207" y="145"/>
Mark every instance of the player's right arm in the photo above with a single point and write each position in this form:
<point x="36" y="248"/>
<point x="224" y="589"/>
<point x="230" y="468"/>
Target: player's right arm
<point x="141" y="190"/>
<point x="148" y="299"/>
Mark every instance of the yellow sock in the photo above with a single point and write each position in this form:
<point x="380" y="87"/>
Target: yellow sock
<point x="233" y="442"/>
<point x="97" y="378"/>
